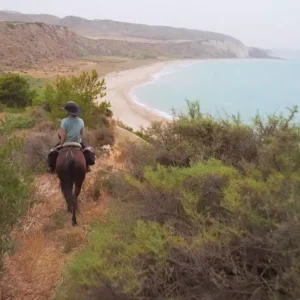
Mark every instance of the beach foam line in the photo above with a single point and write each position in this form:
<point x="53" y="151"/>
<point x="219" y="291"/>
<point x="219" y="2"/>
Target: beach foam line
<point x="160" y="113"/>
<point x="173" y="67"/>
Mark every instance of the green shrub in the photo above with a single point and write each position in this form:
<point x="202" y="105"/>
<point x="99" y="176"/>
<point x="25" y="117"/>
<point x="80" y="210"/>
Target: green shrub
<point x="15" y="189"/>
<point x="211" y="210"/>
<point x="105" y="109"/>
<point x="215" y="226"/>
<point x="84" y="90"/>
<point x="16" y="122"/>
<point x="141" y="133"/>
<point x="15" y="91"/>
<point x="108" y="259"/>
<point x="10" y="25"/>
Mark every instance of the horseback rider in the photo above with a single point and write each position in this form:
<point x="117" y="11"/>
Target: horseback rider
<point x="71" y="131"/>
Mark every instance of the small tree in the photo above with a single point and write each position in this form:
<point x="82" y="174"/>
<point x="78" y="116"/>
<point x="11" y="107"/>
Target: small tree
<point x="15" y="91"/>
<point x="84" y="90"/>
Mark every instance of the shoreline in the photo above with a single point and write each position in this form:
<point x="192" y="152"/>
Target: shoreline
<point x="119" y="88"/>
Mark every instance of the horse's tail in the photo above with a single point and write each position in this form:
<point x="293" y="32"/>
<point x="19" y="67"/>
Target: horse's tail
<point x="66" y="183"/>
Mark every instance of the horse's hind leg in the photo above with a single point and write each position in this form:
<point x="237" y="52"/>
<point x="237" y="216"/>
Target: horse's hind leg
<point x="78" y="188"/>
<point x="67" y="190"/>
<point x="77" y="191"/>
<point x="74" y="220"/>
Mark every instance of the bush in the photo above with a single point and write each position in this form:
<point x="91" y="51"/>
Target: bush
<point x="205" y="230"/>
<point x="15" y="91"/>
<point x="136" y="157"/>
<point x="105" y="109"/>
<point x="15" y="190"/>
<point x="225" y="225"/>
<point x="45" y="127"/>
<point x="36" y="149"/>
<point x="100" y="137"/>
<point x="189" y="140"/>
<point x="15" y="122"/>
<point x="10" y="25"/>
<point x="141" y="133"/>
<point x="38" y="114"/>
<point x="84" y="90"/>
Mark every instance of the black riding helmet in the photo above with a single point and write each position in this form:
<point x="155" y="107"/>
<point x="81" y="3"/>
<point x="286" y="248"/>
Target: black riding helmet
<point x="72" y="108"/>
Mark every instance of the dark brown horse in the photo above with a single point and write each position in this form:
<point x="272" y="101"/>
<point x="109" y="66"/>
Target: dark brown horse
<point x="71" y="170"/>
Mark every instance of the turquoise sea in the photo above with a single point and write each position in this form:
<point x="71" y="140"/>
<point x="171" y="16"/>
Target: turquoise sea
<point x="224" y="86"/>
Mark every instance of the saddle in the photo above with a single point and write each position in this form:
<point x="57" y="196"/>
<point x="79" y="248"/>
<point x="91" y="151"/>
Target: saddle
<point x="88" y="153"/>
<point x="71" y="144"/>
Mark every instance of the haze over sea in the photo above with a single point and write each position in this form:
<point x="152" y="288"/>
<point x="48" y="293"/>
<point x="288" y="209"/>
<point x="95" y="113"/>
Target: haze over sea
<point x="231" y="86"/>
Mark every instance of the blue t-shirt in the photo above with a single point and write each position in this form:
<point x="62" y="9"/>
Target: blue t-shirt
<point x="73" y="127"/>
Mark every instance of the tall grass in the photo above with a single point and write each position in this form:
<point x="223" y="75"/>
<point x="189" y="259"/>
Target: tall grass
<point x="15" y="189"/>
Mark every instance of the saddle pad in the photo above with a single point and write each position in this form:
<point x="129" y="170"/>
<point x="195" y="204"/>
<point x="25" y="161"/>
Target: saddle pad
<point x="71" y="144"/>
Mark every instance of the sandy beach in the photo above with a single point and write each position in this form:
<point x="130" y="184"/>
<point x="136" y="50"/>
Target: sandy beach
<point x="119" y="86"/>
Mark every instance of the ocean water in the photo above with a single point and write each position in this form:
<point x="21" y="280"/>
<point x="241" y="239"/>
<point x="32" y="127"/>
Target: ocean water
<point x="224" y="87"/>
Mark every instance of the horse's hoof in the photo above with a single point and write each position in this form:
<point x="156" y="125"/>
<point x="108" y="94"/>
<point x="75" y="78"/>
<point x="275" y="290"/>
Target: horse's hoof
<point x="74" y="224"/>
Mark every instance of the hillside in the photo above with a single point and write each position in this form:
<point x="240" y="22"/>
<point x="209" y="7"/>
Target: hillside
<point x="215" y="211"/>
<point x="195" y="208"/>
<point x="25" y="44"/>
<point x="98" y="28"/>
<point x="19" y="17"/>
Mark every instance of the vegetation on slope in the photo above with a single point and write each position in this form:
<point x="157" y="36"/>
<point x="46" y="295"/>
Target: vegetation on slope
<point x="15" y="189"/>
<point x="214" y="214"/>
<point x="15" y="91"/>
<point x="84" y="90"/>
<point x="28" y="132"/>
<point x="206" y="209"/>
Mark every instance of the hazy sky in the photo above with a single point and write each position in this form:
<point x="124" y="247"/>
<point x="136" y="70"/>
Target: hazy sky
<point x="263" y="23"/>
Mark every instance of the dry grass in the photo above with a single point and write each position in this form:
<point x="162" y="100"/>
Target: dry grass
<point x="69" y="67"/>
<point x="37" y="146"/>
<point x="97" y="138"/>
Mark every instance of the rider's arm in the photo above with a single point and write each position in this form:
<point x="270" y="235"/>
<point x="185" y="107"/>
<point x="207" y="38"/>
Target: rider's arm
<point x="62" y="132"/>
<point x="81" y="131"/>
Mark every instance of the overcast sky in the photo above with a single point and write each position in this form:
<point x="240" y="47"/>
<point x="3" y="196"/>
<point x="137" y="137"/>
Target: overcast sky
<point x="263" y="23"/>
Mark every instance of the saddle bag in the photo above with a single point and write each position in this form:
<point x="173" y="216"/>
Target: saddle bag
<point x="52" y="157"/>
<point x="89" y="155"/>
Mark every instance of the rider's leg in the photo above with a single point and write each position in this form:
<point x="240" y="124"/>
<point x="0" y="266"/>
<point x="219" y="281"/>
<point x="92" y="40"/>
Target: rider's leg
<point x="51" y="161"/>
<point x="85" y="145"/>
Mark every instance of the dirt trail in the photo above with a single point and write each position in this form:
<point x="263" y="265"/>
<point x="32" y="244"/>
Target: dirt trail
<point x="45" y="240"/>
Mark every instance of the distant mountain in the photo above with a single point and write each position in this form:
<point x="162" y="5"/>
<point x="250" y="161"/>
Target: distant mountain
<point x="11" y="12"/>
<point x="29" y="38"/>
<point x="19" y="17"/>
<point x="25" y="44"/>
<point x="98" y="28"/>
